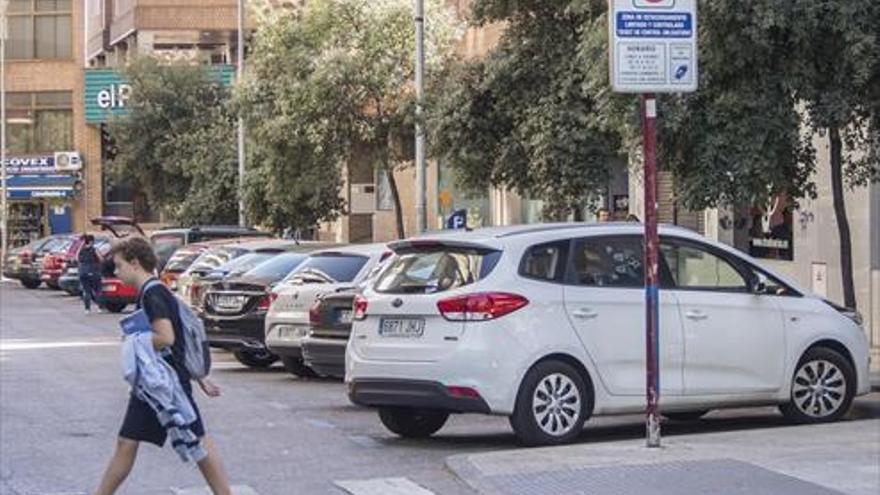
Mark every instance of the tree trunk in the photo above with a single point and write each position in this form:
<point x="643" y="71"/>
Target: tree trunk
<point x="846" y="269"/>
<point x="398" y="209"/>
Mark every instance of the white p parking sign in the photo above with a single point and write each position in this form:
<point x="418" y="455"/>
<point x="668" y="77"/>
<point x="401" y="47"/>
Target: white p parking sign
<point x="653" y="46"/>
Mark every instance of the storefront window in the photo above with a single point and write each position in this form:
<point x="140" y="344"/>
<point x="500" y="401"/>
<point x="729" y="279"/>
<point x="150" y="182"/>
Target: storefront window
<point x="39" y="122"/>
<point x="40" y="29"/>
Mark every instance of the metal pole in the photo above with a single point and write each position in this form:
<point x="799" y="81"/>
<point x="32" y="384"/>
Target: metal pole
<point x="4" y="224"/>
<point x="421" y="184"/>
<point x="652" y="288"/>
<point x="240" y="77"/>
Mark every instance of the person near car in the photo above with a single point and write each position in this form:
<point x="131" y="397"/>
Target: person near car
<point x="89" y="273"/>
<point x="603" y="215"/>
<point x="135" y="263"/>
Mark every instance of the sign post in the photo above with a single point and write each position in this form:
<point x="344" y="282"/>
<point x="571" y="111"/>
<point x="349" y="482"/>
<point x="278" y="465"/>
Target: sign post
<point x="652" y="49"/>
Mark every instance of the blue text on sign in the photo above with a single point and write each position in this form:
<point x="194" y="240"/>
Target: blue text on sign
<point x="654" y="25"/>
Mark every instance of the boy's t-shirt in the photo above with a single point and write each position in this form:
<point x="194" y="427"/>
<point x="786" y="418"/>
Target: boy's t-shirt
<point x="159" y="303"/>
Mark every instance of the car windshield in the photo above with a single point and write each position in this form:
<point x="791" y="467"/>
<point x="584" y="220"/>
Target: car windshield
<point x="182" y="259"/>
<point x="330" y="267"/>
<point x="435" y="270"/>
<point x="277" y="268"/>
<point x="243" y="263"/>
<point x="215" y="257"/>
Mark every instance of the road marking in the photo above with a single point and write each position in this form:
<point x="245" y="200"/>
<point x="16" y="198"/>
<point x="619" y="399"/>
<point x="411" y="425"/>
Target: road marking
<point x="382" y="486"/>
<point x="6" y="345"/>
<point x="365" y="441"/>
<point x="320" y="423"/>
<point x="204" y="490"/>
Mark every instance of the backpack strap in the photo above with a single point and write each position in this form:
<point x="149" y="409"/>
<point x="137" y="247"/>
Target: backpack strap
<point x="147" y="286"/>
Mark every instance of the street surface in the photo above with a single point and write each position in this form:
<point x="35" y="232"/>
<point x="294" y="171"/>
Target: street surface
<point x="62" y="399"/>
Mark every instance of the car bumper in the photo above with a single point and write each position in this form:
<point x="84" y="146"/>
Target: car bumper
<point x="50" y="277"/>
<point x="411" y="393"/>
<point x="70" y="283"/>
<point x="234" y="334"/>
<point x="289" y="344"/>
<point x="325" y="356"/>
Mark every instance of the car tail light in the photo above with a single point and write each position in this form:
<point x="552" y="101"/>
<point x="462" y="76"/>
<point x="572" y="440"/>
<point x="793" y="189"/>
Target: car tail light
<point x="480" y="306"/>
<point x="463" y="392"/>
<point x="26" y="257"/>
<point x="266" y="301"/>
<point x="359" y="308"/>
<point x="315" y="313"/>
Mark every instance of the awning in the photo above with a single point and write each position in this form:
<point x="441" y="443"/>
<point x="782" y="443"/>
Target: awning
<point x="40" y="186"/>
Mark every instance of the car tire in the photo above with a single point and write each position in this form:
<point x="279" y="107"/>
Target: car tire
<point x="296" y="367"/>
<point x="552" y="405"/>
<point x="685" y="415"/>
<point x="410" y="422"/>
<point x="256" y="359"/>
<point x="115" y="307"/>
<point x="53" y="286"/>
<point x="822" y="388"/>
<point x="31" y="284"/>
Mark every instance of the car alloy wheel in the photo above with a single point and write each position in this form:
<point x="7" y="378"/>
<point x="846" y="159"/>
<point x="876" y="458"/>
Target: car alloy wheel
<point x="556" y="404"/>
<point x="819" y="388"/>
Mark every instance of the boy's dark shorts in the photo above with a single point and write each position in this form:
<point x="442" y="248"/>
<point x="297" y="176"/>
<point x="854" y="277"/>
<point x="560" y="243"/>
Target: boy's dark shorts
<point x="142" y="425"/>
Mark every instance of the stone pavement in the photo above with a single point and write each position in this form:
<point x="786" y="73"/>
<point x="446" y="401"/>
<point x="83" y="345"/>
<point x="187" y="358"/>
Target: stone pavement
<point x="815" y="459"/>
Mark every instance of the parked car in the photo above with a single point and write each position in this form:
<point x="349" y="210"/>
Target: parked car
<point x="53" y="263"/>
<point x="189" y="283"/>
<point x="325" y="272"/>
<point x="166" y="241"/>
<point x="115" y="295"/>
<point x="545" y="324"/>
<point x="177" y="264"/>
<point x="234" y="309"/>
<point x="24" y="263"/>
<point x="323" y="348"/>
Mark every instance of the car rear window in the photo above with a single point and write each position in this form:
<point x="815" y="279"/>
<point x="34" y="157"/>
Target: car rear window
<point x="436" y="270"/>
<point x="215" y="257"/>
<point x="182" y="259"/>
<point x="332" y="267"/>
<point x="278" y="267"/>
<point x="246" y="262"/>
<point x="165" y="246"/>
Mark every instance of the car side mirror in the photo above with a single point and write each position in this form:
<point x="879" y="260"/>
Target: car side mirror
<point x="758" y="286"/>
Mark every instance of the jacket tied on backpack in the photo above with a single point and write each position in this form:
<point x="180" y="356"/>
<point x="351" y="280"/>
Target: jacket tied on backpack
<point x="155" y="382"/>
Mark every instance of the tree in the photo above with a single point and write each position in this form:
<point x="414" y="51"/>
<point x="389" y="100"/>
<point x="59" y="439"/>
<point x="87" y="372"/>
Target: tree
<point x="330" y="82"/>
<point x="176" y="143"/>
<point x="838" y="73"/>
<point x="521" y="118"/>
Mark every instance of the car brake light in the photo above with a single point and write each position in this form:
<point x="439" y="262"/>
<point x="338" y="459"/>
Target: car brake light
<point x="266" y="301"/>
<point x="25" y="257"/>
<point x="463" y="392"/>
<point x="359" y="308"/>
<point x="315" y="313"/>
<point x="480" y="306"/>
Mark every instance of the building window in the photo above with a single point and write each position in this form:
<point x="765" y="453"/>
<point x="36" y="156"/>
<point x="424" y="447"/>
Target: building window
<point x="39" y="122"/>
<point x="40" y="29"/>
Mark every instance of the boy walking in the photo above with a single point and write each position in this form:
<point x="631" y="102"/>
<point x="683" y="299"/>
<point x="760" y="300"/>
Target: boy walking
<point x="89" y="273"/>
<point x="135" y="263"/>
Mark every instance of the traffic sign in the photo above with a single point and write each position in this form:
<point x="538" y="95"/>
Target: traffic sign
<point x="653" y="46"/>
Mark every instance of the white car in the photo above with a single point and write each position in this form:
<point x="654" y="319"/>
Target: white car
<point x="545" y="324"/>
<point x="329" y="270"/>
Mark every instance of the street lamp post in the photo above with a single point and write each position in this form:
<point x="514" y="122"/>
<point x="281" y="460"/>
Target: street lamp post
<point x="4" y="222"/>
<point x="421" y="184"/>
<point x="240" y="77"/>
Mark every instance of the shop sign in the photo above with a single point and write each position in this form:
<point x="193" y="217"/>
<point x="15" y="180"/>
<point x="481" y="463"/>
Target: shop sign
<point x="107" y="93"/>
<point x="62" y="161"/>
<point x="771" y="235"/>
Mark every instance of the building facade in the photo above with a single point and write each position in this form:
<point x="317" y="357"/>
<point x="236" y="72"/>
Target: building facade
<point x="50" y="161"/>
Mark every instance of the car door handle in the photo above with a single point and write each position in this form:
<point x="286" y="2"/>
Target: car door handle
<point x="696" y="315"/>
<point x="585" y="313"/>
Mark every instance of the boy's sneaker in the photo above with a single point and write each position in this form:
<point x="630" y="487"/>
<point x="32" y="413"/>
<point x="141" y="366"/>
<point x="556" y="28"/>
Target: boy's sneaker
<point x="87" y="311"/>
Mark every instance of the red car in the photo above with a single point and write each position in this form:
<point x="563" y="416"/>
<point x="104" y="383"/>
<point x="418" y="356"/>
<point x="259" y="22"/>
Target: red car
<point x="115" y="295"/>
<point x="55" y="261"/>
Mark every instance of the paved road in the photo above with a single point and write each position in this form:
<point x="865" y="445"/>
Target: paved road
<point x="62" y="400"/>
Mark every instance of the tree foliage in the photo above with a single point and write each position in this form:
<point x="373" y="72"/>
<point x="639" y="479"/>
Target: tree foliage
<point x="521" y="118"/>
<point x="176" y="143"/>
<point x="328" y="83"/>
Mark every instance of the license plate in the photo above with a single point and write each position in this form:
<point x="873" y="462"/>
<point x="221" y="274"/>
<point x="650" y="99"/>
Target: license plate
<point x="404" y="328"/>
<point x="229" y="302"/>
<point x="343" y="316"/>
<point x="289" y="332"/>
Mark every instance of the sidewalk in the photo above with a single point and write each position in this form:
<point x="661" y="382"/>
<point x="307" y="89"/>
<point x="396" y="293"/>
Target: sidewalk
<point x="799" y="460"/>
